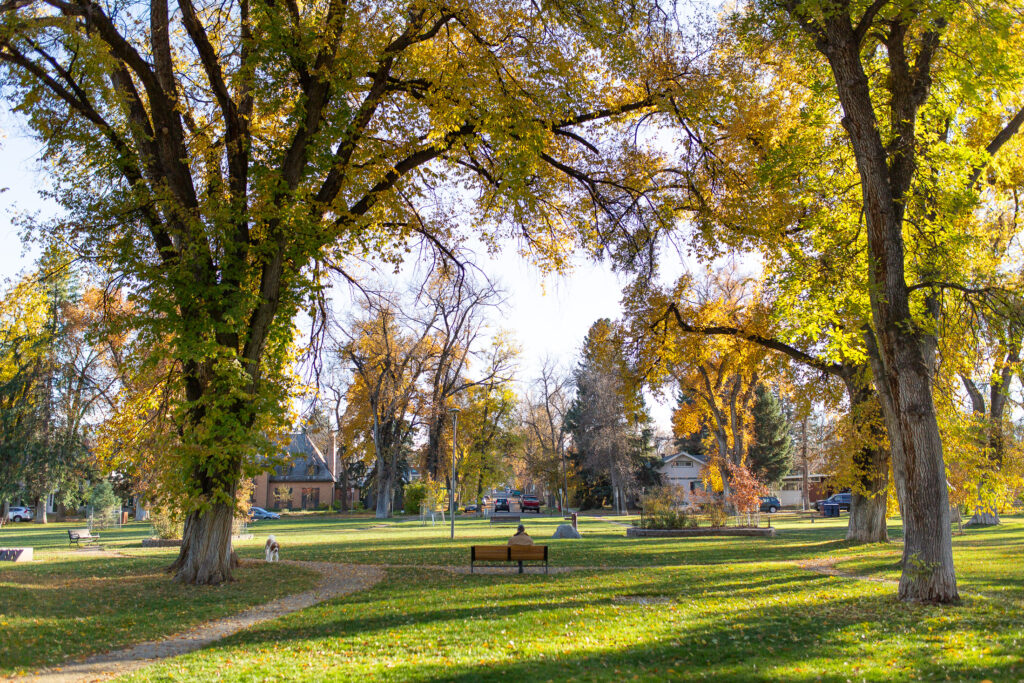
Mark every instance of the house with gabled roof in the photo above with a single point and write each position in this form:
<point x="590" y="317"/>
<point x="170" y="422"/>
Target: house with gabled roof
<point x="682" y="470"/>
<point x="304" y="479"/>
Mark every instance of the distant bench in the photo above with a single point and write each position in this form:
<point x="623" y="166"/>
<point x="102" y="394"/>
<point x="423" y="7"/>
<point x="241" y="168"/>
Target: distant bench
<point x="508" y="553"/>
<point x="76" y="536"/>
<point x="505" y="519"/>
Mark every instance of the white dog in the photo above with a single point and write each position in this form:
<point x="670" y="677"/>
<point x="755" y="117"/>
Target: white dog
<point x="271" y="549"/>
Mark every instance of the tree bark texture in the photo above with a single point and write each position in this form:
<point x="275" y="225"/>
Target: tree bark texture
<point x="904" y="354"/>
<point x="206" y="557"/>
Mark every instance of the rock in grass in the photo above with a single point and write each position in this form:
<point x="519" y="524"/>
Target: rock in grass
<point x="566" y="531"/>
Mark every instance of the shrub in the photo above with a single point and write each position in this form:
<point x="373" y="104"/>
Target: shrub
<point x="715" y="510"/>
<point x="167" y="524"/>
<point x="663" y="509"/>
<point x="414" y="495"/>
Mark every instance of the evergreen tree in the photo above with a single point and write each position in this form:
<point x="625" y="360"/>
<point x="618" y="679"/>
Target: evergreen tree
<point x="771" y="454"/>
<point x="608" y="419"/>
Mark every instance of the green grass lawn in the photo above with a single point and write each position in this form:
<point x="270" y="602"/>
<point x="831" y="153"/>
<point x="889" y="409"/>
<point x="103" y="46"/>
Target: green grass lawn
<point x="724" y="609"/>
<point x="644" y="609"/>
<point x="69" y="603"/>
<point x="604" y="542"/>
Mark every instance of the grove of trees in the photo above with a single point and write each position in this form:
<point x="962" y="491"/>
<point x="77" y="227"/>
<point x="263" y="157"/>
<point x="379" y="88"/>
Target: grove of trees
<point x="219" y="165"/>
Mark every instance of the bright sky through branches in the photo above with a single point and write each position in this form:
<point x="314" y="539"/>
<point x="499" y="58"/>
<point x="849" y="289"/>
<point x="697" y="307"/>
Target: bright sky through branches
<point x="549" y="318"/>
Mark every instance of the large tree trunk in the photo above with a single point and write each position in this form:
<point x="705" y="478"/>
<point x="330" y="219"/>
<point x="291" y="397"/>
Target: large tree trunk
<point x="206" y="557"/>
<point x="141" y="511"/>
<point x="867" y="519"/>
<point x="871" y="464"/>
<point x="40" y="514"/>
<point x="383" y="490"/>
<point x="903" y="353"/>
<point x="928" y="574"/>
<point x="432" y="454"/>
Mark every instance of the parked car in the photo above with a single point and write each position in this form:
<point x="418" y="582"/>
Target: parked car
<point x="770" y="504"/>
<point x="260" y="513"/>
<point x="501" y="505"/>
<point x="19" y="514"/>
<point x="841" y="499"/>
<point x="531" y="504"/>
<point x="472" y="507"/>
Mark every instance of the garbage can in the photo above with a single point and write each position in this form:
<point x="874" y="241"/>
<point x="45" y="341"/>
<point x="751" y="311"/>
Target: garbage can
<point x="831" y="509"/>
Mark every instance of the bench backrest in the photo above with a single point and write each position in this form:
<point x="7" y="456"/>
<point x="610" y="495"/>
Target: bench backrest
<point x="528" y="552"/>
<point x="490" y="552"/>
<point x="509" y="553"/>
<point x="79" y="533"/>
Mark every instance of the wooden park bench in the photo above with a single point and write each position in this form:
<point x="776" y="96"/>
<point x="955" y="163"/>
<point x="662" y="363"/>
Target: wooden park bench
<point x="504" y="518"/>
<point x="76" y="536"/>
<point x="508" y="553"/>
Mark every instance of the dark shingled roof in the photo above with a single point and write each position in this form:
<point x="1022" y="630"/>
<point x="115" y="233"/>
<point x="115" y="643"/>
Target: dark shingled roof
<point x="303" y="462"/>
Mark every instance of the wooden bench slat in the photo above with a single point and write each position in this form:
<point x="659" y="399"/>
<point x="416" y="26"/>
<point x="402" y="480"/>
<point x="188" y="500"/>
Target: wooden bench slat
<point x="528" y="552"/>
<point x="490" y="552"/>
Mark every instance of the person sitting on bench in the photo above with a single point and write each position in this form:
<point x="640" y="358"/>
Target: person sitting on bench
<point x="521" y="537"/>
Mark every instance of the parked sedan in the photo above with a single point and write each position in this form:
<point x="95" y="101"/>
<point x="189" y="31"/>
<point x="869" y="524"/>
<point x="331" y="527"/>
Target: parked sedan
<point x="260" y="513"/>
<point x="770" y="504"/>
<point x="19" y="514"/>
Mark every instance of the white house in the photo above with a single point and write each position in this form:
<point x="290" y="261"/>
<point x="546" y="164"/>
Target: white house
<point x="790" y="493"/>
<point x="682" y="470"/>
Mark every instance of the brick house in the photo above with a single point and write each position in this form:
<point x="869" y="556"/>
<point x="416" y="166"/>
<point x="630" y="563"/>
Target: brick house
<point x="304" y="480"/>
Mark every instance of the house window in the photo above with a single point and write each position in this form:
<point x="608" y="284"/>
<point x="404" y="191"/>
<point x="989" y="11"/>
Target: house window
<point x="282" y="496"/>
<point x="310" y="498"/>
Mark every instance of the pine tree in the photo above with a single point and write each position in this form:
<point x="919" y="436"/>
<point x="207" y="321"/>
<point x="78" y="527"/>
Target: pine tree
<point x="771" y="454"/>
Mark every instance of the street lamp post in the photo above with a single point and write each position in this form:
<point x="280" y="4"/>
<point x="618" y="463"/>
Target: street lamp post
<point x="451" y="488"/>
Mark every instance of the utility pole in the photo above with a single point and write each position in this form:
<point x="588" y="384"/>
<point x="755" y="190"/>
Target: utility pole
<point x="451" y="488"/>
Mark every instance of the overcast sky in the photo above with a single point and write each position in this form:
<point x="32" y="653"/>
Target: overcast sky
<point x="549" y="317"/>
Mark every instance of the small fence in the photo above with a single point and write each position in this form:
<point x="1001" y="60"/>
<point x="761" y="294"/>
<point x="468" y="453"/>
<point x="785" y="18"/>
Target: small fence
<point x="106" y="519"/>
<point x="703" y="520"/>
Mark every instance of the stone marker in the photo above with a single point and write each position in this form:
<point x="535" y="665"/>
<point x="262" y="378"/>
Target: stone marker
<point x="15" y="554"/>
<point x="566" y="531"/>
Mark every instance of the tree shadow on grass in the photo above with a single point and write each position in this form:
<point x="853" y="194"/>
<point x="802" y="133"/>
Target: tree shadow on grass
<point x="796" y="627"/>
